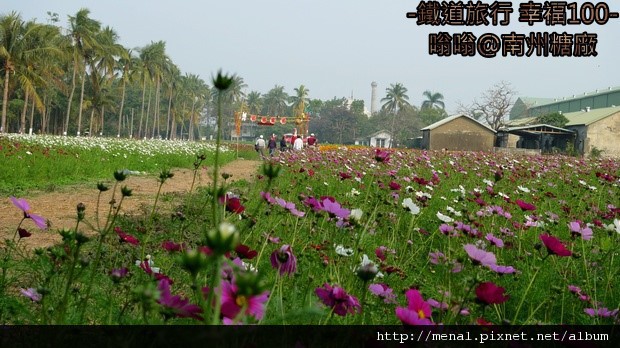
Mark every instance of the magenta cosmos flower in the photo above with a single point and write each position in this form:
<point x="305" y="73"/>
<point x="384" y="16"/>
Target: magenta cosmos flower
<point x="489" y="293"/>
<point x="338" y="300"/>
<point x="178" y="305"/>
<point x="233" y="302"/>
<point x="418" y="311"/>
<point x="126" y="238"/>
<point x="554" y="246"/>
<point x="284" y="260"/>
<point x="25" y="207"/>
<point x="525" y="206"/>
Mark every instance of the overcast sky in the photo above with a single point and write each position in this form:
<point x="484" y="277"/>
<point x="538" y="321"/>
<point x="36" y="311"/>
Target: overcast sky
<point x="337" y="47"/>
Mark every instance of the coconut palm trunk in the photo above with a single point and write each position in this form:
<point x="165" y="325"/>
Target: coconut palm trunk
<point x="5" y="99"/>
<point x="22" y="121"/>
<point x="120" y="113"/>
<point x="81" y="103"/>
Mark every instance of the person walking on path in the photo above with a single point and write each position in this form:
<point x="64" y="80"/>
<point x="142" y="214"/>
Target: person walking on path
<point x="311" y="141"/>
<point x="283" y="147"/>
<point x="298" y="144"/>
<point x="260" y="146"/>
<point x="272" y="145"/>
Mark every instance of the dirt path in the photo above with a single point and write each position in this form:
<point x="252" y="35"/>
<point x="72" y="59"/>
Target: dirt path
<point x="59" y="207"/>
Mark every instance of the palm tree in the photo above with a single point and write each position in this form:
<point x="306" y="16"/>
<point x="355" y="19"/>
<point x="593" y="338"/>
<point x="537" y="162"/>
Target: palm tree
<point x="396" y="97"/>
<point x="275" y="101"/>
<point x="24" y="48"/>
<point x="125" y="64"/>
<point x="300" y="99"/>
<point x="433" y="100"/>
<point x="395" y="100"/>
<point x="11" y="36"/>
<point x="153" y="59"/>
<point x="83" y="31"/>
<point x="254" y="102"/>
<point x="172" y="81"/>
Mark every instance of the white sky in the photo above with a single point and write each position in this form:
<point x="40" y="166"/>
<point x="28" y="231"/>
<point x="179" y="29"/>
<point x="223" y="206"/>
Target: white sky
<point x="337" y="47"/>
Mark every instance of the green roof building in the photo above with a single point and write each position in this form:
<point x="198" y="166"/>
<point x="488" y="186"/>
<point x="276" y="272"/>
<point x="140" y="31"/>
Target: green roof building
<point x="533" y="107"/>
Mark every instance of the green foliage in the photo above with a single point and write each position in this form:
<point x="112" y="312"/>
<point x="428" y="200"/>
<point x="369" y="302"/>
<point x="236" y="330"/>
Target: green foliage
<point x="555" y="119"/>
<point x="596" y="153"/>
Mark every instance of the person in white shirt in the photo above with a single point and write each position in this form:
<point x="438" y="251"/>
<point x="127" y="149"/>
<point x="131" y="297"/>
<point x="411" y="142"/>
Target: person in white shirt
<point x="260" y="146"/>
<point x="298" y="144"/>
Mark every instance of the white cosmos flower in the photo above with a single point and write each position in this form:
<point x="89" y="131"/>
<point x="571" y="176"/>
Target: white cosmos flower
<point x="342" y="251"/>
<point x="444" y="218"/>
<point x="582" y="182"/>
<point x="356" y="214"/>
<point x="524" y="189"/>
<point x="488" y="182"/>
<point x="453" y="211"/>
<point x="412" y="207"/>
<point x="614" y="227"/>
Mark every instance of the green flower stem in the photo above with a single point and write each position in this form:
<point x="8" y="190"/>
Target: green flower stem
<point x="527" y="290"/>
<point x="65" y="297"/>
<point x="216" y="291"/>
<point x="151" y="220"/>
<point x="95" y="266"/>
<point x="216" y="165"/>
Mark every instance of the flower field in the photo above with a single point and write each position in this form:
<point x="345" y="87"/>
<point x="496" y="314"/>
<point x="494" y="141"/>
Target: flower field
<point x="40" y="161"/>
<point x="340" y="236"/>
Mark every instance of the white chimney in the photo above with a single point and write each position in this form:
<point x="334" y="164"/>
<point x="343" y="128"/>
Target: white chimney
<point x="373" y="98"/>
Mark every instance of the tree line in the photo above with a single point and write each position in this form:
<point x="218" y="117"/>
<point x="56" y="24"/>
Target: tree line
<point x="79" y="80"/>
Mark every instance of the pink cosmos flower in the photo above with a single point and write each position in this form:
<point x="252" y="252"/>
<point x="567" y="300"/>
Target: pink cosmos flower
<point x="495" y="241"/>
<point x="489" y="293"/>
<point x="436" y="304"/>
<point x="338" y="300"/>
<point x="233" y="302"/>
<point x="382" y="156"/>
<point x="554" y="246"/>
<point x="178" y="305"/>
<point x="502" y="269"/>
<point x="577" y="228"/>
<point x="284" y="260"/>
<point x="383" y="291"/>
<point x="418" y="312"/>
<point x="601" y="312"/>
<point x="32" y="294"/>
<point x="23" y="205"/>
<point x="479" y="256"/>
<point x="437" y="258"/>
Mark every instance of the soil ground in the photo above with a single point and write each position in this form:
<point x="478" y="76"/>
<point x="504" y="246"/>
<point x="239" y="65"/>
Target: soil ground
<point x="59" y="207"/>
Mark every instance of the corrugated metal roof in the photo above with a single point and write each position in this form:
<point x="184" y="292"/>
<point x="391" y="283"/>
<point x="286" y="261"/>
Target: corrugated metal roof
<point x="521" y="121"/>
<point x="451" y="118"/>
<point x="589" y="117"/>
<point x="533" y="101"/>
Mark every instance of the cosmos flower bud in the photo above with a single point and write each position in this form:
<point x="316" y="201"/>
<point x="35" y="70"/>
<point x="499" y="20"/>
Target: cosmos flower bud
<point x="221" y="81"/>
<point x="102" y="187"/>
<point x="223" y="239"/>
<point x="126" y="192"/>
<point x="119" y="175"/>
<point x="249" y="283"/>
<point x="165" y="175"/>
<point x="81" y="208"/>
<point x="271" y="170"/>
<point x="193" y="261"/>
